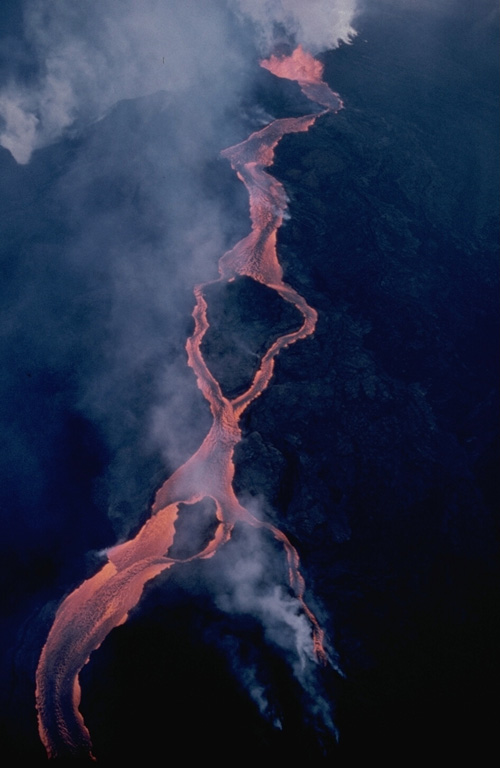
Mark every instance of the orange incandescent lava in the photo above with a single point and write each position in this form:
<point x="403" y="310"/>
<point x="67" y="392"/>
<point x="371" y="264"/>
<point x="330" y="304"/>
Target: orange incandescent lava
<point x="103" y="602"/>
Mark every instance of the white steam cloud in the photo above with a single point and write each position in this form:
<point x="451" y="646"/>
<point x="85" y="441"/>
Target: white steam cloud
<point x="251" y="572"/>
<point x="253" y="592"/>
<point x="318" y="25"/>
<point x="91" y="55"/>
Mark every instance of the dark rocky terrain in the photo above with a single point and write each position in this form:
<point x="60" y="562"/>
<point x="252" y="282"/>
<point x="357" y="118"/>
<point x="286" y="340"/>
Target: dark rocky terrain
<point x="245" y="318"/>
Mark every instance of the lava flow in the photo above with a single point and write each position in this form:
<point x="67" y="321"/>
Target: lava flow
<point x="103" y="602"/>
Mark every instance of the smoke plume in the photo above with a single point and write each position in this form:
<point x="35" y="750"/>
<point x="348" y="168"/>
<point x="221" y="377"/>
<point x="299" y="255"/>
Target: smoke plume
<point x="89" y="56"/>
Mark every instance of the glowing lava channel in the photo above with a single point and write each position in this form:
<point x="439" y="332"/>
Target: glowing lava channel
<point x="103" y="602"/>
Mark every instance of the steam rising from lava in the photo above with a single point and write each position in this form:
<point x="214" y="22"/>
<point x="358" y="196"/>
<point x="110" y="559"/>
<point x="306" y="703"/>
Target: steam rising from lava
<point x="103" y="602"/>
<point x="84" y="60"/>
<point x="318" y="25"/>
<point x="88" y="56"/>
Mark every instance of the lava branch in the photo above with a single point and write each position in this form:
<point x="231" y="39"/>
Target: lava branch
<point x="90" y="612"/>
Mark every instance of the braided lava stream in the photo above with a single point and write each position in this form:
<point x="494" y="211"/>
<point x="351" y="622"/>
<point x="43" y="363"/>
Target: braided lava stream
<point x="103" y="602"/>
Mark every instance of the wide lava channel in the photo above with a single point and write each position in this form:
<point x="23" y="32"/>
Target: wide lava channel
<point x="103" y="602"/>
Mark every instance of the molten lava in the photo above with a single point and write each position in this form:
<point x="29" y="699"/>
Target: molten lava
<point x="103" y="602"/>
